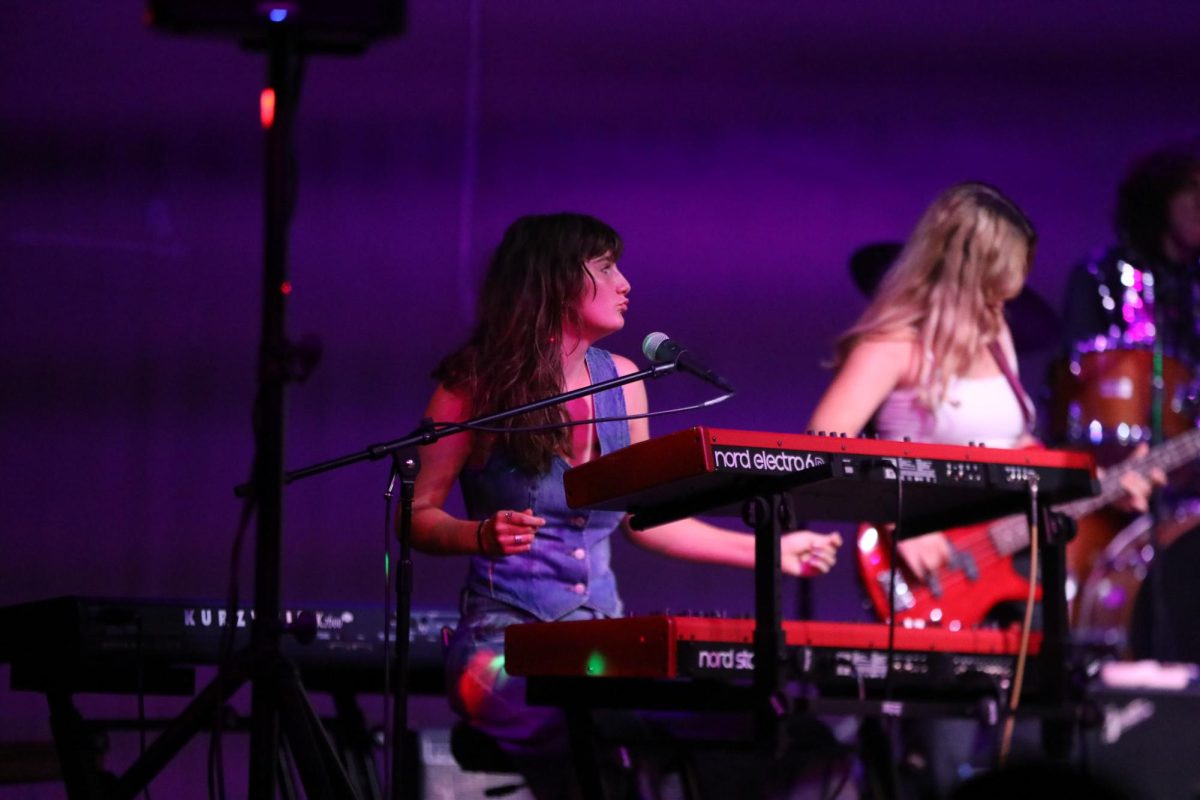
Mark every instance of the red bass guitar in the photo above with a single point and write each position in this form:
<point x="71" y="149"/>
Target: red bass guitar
<point x="980" y="573"/>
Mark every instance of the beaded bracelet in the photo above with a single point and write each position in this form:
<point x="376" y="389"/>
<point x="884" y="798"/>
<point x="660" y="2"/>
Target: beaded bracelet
<point x="479" y="535"/>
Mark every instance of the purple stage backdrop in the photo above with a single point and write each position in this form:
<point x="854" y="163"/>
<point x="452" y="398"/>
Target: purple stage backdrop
<point x="743" y="150"/>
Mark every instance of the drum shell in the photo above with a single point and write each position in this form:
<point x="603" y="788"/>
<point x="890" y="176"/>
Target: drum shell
<point x="1115" y="607"/>
<point x="1104" y="397"/>
<point x="1165" y="622"/>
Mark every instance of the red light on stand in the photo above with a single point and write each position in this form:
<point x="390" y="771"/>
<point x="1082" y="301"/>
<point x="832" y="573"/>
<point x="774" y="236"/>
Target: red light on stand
<point x="266" y="107"/>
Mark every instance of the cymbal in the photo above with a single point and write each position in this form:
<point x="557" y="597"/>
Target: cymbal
<point x="1034" y="323"/>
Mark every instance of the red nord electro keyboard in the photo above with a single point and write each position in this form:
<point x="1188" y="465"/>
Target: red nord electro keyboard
<point x="828" y="653"/>
<point x="711" y="470"/>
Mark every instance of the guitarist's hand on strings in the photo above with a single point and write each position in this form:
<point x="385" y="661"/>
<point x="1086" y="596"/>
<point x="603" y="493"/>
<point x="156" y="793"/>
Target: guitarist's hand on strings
<point x="921" y="555"/>
<point x="924" y="554"/>
<point x="1138" y="485"/>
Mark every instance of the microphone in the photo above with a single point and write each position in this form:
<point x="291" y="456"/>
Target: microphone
<point x="660" y="349"/>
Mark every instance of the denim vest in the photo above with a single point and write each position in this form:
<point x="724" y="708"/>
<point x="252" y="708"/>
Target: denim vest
<point x="568" y="566"/>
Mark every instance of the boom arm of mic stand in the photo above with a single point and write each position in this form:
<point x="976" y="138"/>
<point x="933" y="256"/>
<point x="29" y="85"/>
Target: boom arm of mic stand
<point x="426" y="434"/>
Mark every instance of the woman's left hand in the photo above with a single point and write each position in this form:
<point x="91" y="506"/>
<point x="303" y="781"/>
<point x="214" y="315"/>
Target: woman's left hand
<point x="806" y="553"/>
<point x="1139" y="485"/>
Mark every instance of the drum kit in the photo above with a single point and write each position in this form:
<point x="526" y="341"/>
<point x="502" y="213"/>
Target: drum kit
<point x="1102" y="399"/>
<point x="1126" y="576"/>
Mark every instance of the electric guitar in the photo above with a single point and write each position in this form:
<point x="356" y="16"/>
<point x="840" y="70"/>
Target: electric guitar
<point x="980" y="572"/>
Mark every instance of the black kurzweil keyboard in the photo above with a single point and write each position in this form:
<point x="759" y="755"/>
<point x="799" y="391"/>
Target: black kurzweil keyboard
<point x="115" y="644"/>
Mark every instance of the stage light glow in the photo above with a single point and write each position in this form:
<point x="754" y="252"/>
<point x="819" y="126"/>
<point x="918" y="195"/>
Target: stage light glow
<point x="596" y="663"/>
<point x="266" y="107"/>
<point x="482" y="677"/>
<point x="868" y="540"/>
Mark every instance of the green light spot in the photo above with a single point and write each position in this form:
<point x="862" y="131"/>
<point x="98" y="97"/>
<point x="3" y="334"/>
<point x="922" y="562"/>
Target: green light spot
<point x="497" y="663"/>
<point x="595" y="663"/>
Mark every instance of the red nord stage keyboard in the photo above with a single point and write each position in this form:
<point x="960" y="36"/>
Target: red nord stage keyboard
<point x="711" y="470"/>
<point x="829" y="653"/>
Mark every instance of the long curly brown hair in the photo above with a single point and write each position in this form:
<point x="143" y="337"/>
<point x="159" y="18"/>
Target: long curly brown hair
<point x="1143" y="214"/>
<point x="533" y="282"/>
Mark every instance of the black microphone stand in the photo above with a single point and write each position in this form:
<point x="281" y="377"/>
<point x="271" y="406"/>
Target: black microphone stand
<point x="268" y="462"/>
<point x="406" y="464"/>
<point x="281" y="714"/>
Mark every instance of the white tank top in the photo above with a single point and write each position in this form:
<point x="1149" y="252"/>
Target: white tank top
<point x="983" y="410"/>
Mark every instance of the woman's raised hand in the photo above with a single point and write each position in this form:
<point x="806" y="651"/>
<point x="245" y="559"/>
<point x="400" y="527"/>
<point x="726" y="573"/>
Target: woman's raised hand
<point x="806" y="553"/>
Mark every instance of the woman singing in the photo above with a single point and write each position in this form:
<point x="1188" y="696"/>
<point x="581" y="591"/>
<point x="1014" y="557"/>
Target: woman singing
<point x="553" y="289"/>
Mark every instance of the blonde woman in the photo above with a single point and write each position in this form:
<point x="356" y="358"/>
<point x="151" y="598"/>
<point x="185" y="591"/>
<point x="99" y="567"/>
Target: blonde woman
<point x="928" y="357"/>
<point x="932" y="358"/>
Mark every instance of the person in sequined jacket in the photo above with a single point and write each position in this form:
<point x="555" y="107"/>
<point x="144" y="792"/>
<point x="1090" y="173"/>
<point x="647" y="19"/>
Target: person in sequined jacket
<point x="1144" y="293"/>
<point x="1111" y="297"/>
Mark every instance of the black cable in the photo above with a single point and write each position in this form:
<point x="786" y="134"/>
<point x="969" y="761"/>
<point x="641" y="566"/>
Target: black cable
<point x="884" y="736"/>
<point x="862" y="698"/>
<point x="1018" y="679"/>
<point x="895" y="557"/>
<point x="573" y="422"/>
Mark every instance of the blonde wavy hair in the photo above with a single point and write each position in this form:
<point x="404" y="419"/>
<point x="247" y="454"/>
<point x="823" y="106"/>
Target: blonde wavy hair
<point x="970" y="252"/>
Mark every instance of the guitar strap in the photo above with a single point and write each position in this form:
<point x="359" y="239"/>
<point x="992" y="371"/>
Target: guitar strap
<point x="1022" y="398"/>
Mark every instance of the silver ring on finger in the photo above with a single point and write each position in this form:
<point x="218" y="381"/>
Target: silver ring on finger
<point x="518" y="539"/>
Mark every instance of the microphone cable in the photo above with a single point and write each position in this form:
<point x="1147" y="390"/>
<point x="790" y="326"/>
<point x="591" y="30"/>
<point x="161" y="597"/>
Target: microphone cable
<point x="1014" y="698"/>
<point x="573" y="422"/>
